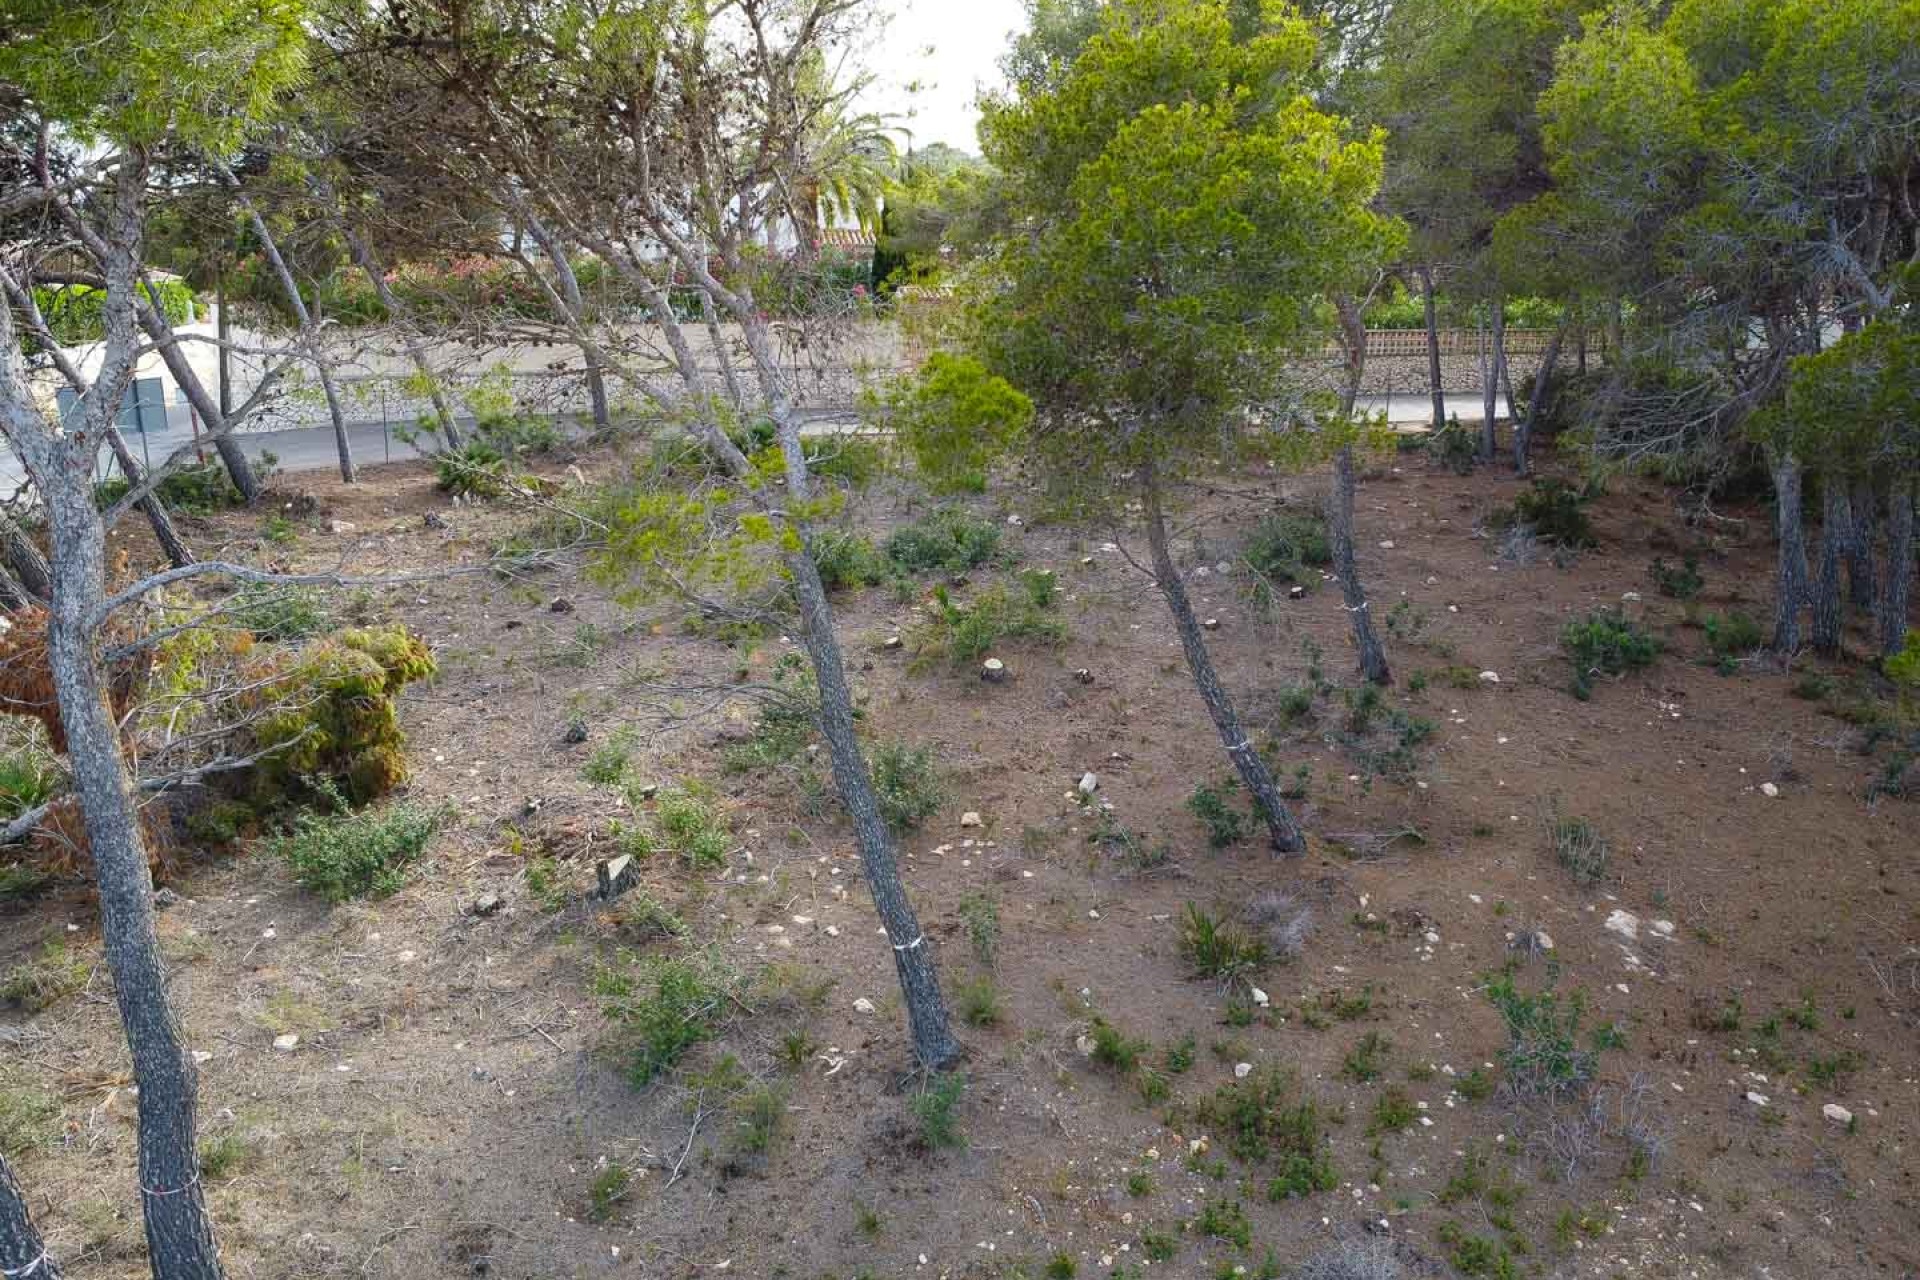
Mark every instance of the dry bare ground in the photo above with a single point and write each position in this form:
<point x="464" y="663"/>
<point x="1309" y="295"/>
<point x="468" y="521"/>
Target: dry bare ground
<point x="453" y="1102"/>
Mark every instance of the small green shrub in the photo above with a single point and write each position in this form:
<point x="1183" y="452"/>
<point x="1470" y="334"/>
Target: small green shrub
<point x="978" y="1000"/>
<point x="610" y="1187"/>
<point x="1062" y="1267"/>
<point x="607" y="765"/>
<point x="1266" y="1117"/>
<point x="1114" y="1048"/>
<point x="1362" y="1065"/>
<point x="1283" y="547"/>
<point x="1543" y="1057"/>
<point x="19" y="882"/>
<point x="848" y="560"/>
<point x="981" y="916"/>
<point x="936" y="1107"/>
<point x="1677" y="582"/>
<point x="227" y="1154"/>
<point x="1579" y="847"/>
<point x="951" y="540"/>
<point x="907" y="784"/>
<point x="279" y="614"/>
<point x="1556" y="512"/>
<point x="856" y="461"/>
<point x="1606" y="642"/>
<point x="28" y="1117"/>
<point x="1394" y="1111"/>
<point x="1732" y="636"/>
<point x="198" y="490"/>
<point x="1218" y="948"/>
<point x="660" y="1007"/>
<point x="1454" y="446"/>
<point x="1226" y="825"/>
<point x="476" y="470"/>
<point x="962" y="634"/>
<point x="47" y="979"/>
<point x="693" y="827"/>
<point x="1224" y="1220"/>
<point x="27" y="779"/>
<point x="356" y="854"/>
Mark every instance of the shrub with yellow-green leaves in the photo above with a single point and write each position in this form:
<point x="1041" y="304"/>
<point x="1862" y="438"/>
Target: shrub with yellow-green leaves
<point x="330" y="707"/>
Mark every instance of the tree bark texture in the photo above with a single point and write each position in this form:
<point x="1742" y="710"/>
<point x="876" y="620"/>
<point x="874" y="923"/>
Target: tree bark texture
<point x="1285" y="832"/>
<point x="179" y="1232"/>
<point x="309" y="332"/>
<point x="1433" y="349"/>
<point x="1366" y="641"/>
<point x="232" y="456"/>
<point x="1790" y="586"/>
<point x="1899" y="571"/>
<point x="1536" y="404"/>
<point x="933" y="1042"/>
<point x="23" y="557"/>
<point x="1836" y="533"/>
<point x="150" y="506"/>
<point x="1490" y="394"/>
<point x="23" y="1254"/>
<point x="1863" y="580"/>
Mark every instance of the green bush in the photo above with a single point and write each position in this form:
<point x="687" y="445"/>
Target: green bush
<point x="74" y="312"/>
<point x="1556" y="512"/>
<point x="1731" y="637"/>
<point x="1606" y="642"/>
<point x="279" y="614"/>
<point x="1543" y="1056"/>
<point x="936" y="1107"/>
<point x="1226" y="824"/>
<point x="1677" y="582"/>
<point x="1455" y="447"/>
<point x="693" y="828"/>
<point x="1284" y="546"/>
<point x="1579" y="847"/>
<point x="1267" y="1117"/>
<point x="27" y="779"/>
<point x="28" y="1117"/>
<point x="1218" y="948"/>
<point x="475" y="470"/>
<point x="950" y="540"/>
<point x="47" y="979"/>
<point x="848" y="560"/>
<point x="962" y="634"/>
<point x="660" y="1007"/>
<point x="330" y="709"/>
<point x="356" y="854"/>
<point x="197" y="490"/>
<point x="856" y="461"/>
<point x="955" y="417"/>
<point x="907" y="785"/>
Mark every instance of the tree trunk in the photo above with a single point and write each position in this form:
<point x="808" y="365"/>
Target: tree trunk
<point x="1366" y="641"/>
<point x="1536" y="403"/>
<point x="13" y="596"/>
<point x="223" y="331"/>
<point x="309" y="332"/>
<point x="1894" y="596"/>
<point x="179" y="1232"/>
<point x="574" y="305"/>
<point x="1580" y="350"/>
<point x="1791" y="577"/>
<point x="232" y="456"/>
<point x="933" y="1042"/>
<point x="1253" y="770"/>
<point x="415" y="348"/>
<point x="151" y="506"/>
<point x="721" y="355"/>
<point x="24" y="558"/>
<point x="1373" y="656"/>
<point x="23" y="1255"/>
<point x="1433" y="350"/>
<point x="1502" y="368"/>
<point x="1490" y="395"/>
<point x="1835" y="534"/>
<point x="1863" y="581"/>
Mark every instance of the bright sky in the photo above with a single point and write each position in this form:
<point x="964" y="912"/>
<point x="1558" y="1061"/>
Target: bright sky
<point x="932" y="59"/>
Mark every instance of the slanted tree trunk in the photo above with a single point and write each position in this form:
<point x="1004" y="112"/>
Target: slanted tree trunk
<point x="1790" y="587"/>
<point x="223" y="333"/>
<point x="13" y="596"/>
<point x="1863" y="580"/>
<point x="309" y="333"/>
<point x="232" y="456"/>
<point x="1433" y="349"/>
<point x="1366" y="641"/>
<point x="151" y="506"/>
<point x="179" y="1232"/>
<point x="1835" y="533"/>
<point x="1536" y="403"/>
<point x="23" y="1254"/>
<point x="1490" y="396"/>
<point x="397" y="312"/>
<point x="1285" y="832"/>
<point x="1899" y="582"/>
<point x="933" y="1042"/>
<point x="1502" y="367"/>
<point x="721" y="356"/>
<point x="575" y="307"/>
<point x="24" y="558"/>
